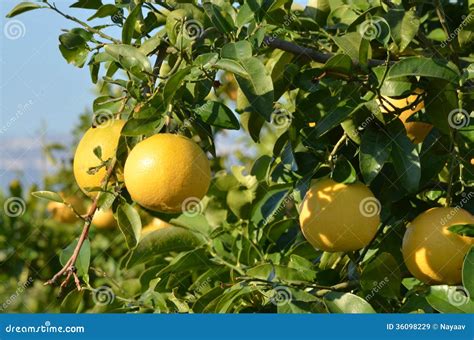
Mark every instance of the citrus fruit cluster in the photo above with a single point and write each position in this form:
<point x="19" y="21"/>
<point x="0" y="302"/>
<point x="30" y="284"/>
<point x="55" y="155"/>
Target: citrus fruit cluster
<point x="160" y="172"/>
<point x="338" y="217"/>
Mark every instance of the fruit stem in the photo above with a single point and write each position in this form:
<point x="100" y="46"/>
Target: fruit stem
<point x="69" y="267"/>
<point x="334" y="150"/>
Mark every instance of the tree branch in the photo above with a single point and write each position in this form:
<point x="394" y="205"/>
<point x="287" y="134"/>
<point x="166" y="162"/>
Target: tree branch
<point x="310" y="53"/>
<point x="69" y="267"/>
<point x="82" y="23"/>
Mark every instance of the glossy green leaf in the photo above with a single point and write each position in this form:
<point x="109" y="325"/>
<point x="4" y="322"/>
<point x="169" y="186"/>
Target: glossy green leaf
<point x="129" y="25"/>
<point x="375" y="150"/>
<point x="72" y="301"/>
<point x="218" y="114"/>
<point x="237" y="51"/>
<point x="257" y="87"/>
<point x="450" y="299"/>
<point x="381" y="277"/>
<point x="423" y="67"/>
<point x="23" y="7"/>
<point x="129" y="223"/>
<point x="83" y="259"/>
<point x="48" y="195"/>
<point x="405" y="159"/>
<point x="463" y="229"/>
<point x="161" y="242"/>
<point x="338" y="302"/>
<point x="403" y="26"/>
<point x="468" y="272"/>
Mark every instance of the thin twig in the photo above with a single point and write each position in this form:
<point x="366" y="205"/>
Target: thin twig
<point x="82" y="23"/>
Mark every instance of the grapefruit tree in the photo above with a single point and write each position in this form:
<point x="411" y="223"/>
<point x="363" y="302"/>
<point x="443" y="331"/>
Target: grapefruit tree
<point x="355" y="121"/>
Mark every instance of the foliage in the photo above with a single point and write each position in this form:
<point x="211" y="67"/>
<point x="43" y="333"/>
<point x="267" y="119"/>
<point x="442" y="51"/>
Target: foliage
<point x="270" y="68"/>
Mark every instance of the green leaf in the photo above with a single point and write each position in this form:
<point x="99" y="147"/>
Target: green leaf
<point x="338" y="302"/>
<point x="463" y="229"/>
<point x="48" y="195"/>
<point x="87" y="4"/>
<point x="468" y="272"/>
<point x="72" y="301"/>
<point x="403" y="26"/>
<point x="174" y="83"/>
<point x="271" y="205"/>
<point x="76" y="57"/>
<point x="130" y="58"/>
<point x="423" y="67"/>
<point x="192" y="260"/>
<point x="129" y="223"/>
<point x="129" y="25"/>
<point x="71" y="41"/>
<point x="219" y="18"/>
<point x="335" y="117"/>
<point x="381" y="276"/>
<point x="237" y="51"/>
<point x="278" y="273"/>
<point x="344" y="172"/>
<point x="137" y="127"/>
<point x="405" y="158"/>
<point x="104" y="11"/>
<point x="22" y="8"/>
<point x="83" y="259"/>
<point x="231" y="66"/>
<point x="375" y="150"/>
<point x="258" y="87"/>
<point x="450" y="299"/>
<point x="218" y="114"/>
<point x="163" y="241"/>
<point x="339" y="63"/>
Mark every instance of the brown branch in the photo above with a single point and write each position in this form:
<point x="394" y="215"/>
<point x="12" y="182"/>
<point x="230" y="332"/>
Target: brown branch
<point x="310" y="53"/>
<point x="69" y="267"/>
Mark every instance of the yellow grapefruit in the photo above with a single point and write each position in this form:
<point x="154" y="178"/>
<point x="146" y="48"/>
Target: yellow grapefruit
<point x="416" y="131"/>
<point x="165" y="171"/>
<point x="432" y="253"/>
<point x="107" y="137"/>
<point x="339" y="217"/>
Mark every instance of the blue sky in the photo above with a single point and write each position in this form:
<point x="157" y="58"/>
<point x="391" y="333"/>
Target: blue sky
<point x="37" y="86"/>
